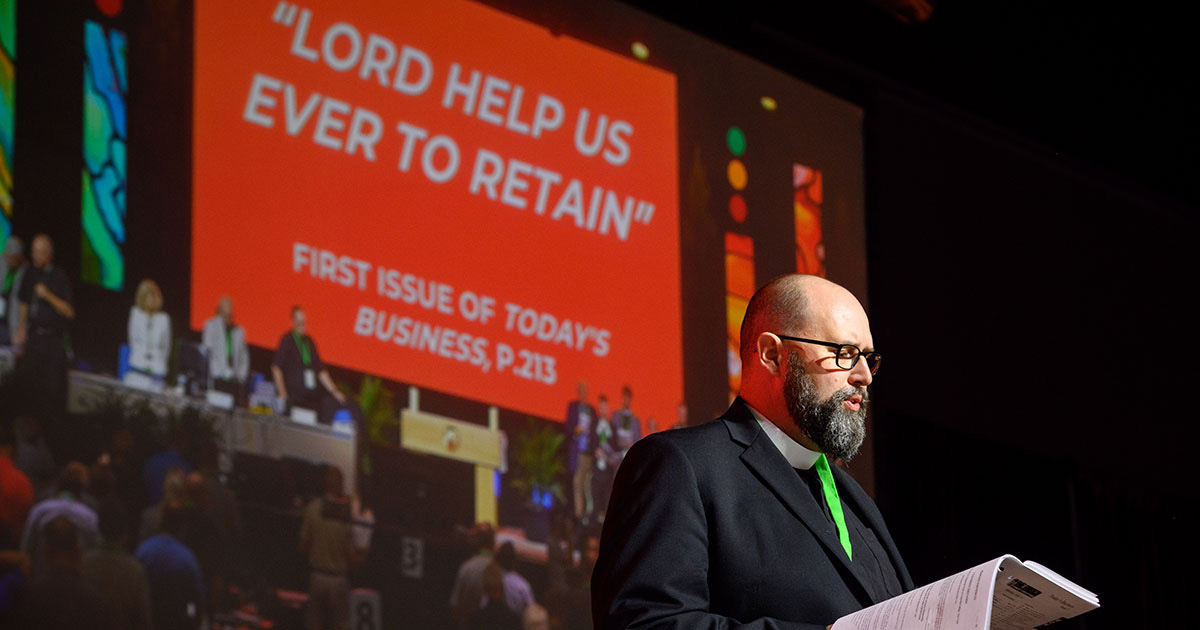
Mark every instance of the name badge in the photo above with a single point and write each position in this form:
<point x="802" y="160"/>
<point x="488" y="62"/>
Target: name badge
<point x="310" y="379"/>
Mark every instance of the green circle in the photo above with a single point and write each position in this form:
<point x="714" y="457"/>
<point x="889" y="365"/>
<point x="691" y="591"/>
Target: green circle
<point x="736" y="141"/>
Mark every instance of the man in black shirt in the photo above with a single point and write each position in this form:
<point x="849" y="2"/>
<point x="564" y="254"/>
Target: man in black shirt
<point x="46" y="311"/>
<point x="301" y="379"/>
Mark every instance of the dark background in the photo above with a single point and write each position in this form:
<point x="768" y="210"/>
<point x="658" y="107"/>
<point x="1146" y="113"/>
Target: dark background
<point x="1030" y="216"/>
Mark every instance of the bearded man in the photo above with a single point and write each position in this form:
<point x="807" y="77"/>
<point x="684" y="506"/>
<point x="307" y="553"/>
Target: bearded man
<point x="742" y="522"/>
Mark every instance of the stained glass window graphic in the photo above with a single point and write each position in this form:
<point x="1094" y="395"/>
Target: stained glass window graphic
<point x="806" y="207"/>
<point x="8" y="77"/>
<point x="739" y="287"/>
<point x="105" y="87"/>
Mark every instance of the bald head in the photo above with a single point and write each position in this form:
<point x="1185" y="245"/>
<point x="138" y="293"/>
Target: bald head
<point x="794" y="330"/>
<point x="42" y="250"/>
<point x="788" y="304"/>
<point x="225" y="308"/>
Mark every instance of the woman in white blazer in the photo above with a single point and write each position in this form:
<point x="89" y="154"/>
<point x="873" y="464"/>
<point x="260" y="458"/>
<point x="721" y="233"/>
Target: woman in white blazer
<point x="149" y="338"/>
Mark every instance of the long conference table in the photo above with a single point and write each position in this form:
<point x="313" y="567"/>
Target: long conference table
<point x="241" y="430"/>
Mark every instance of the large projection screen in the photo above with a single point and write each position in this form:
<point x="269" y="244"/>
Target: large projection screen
<point x="501" y="204"/>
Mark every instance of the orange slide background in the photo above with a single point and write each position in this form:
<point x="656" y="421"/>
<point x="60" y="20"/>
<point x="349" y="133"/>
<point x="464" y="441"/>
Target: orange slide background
<point x="259" y="190"/>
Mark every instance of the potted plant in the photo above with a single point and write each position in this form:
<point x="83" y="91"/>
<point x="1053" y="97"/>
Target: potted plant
<point x="379" y="411"/>
<point x="538" y="474"/>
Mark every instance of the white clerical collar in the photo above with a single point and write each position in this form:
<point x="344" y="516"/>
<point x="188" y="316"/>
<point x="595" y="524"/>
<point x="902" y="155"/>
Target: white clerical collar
<point x="794" y="452"/>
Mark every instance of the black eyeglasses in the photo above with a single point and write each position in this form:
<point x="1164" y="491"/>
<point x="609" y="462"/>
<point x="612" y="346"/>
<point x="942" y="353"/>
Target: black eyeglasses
<point x="846" y="355"/>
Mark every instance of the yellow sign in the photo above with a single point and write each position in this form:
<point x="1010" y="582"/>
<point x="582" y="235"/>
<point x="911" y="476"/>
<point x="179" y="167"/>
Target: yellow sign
<point x="447" y="437"/>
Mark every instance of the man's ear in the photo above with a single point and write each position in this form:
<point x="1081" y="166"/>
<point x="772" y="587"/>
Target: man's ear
<point x="769" y="352"/>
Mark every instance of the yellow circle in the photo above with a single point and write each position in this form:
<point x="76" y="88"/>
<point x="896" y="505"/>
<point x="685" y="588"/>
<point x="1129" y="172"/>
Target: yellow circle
<point x="737" y="174"/>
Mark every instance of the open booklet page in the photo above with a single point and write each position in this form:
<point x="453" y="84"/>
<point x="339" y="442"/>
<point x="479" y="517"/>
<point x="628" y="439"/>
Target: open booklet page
<point x="959" y="602"/>
<point x="1078" y="590"/>
<point x="1026" y="597"/>
<point x="1001" y="594"/>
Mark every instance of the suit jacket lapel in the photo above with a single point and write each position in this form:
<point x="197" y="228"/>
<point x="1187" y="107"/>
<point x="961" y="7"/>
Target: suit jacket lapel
<point x="853" y="496"/>
<point x="769" y="465"/>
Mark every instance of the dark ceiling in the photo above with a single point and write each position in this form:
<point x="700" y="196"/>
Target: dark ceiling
<point x="1108" y="84"/>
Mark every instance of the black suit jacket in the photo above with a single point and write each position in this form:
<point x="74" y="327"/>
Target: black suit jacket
<point x="710" y="527"/>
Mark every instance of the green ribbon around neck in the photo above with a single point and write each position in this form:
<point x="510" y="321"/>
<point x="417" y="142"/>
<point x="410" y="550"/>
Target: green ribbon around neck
<point x="835" y="503"/>
<point x="305" y="354"/>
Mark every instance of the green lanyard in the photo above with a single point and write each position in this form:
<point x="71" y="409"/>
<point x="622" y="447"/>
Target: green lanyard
<point x="8" y="280"/>
<point x="305" y="354"/>
<point x="835" y="504"/>
<point x="229" y="345"/>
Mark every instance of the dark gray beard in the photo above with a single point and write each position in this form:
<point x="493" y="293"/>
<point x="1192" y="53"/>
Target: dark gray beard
<point x="836" y="430"/>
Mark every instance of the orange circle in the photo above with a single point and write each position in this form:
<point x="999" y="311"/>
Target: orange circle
<point x="737" y="174"/>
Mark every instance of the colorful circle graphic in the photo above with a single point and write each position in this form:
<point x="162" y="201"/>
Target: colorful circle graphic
<point x="737" y="208"/>
<point x="109" y="7"/>
<point x="737" y="174"/>
<point x="736" y="141"/>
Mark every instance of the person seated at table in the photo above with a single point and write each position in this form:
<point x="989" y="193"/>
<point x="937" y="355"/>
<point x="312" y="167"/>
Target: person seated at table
<point x="228" y="356"/>
<point x="301" y="379"/>
<point x="149" y="339"/>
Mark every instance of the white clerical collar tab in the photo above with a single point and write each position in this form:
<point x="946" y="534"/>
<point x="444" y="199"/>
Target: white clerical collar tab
<point x="794" y="452"/>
